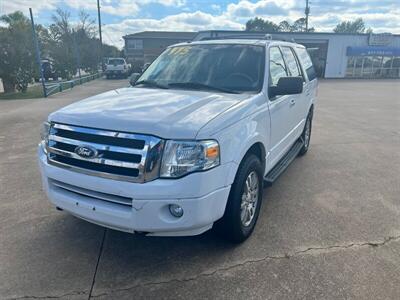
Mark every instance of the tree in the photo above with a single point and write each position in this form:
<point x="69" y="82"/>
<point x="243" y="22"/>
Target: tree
<point x="61" y="44"/>
<point x="298" y="26"/>
<point x="16" y="52"/>
<point x="258" y="24"/>
<point x="64" y="37"/>
<point x="285" y="26"/>
<point x="356" y="26"/>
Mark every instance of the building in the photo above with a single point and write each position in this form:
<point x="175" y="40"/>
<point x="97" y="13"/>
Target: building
<point x="144" y="47"/>
<point x="337" y="55"/>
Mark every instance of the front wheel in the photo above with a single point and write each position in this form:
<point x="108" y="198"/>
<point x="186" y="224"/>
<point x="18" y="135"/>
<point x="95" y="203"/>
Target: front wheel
<point x="244" y="202"/>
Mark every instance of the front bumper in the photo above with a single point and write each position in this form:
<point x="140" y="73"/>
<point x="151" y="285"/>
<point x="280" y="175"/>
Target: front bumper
<point x="202" y="196"/>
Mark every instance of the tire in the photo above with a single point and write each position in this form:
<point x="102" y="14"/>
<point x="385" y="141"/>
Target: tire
<point x="234" y="226"/>
<point x="306" y="135"/>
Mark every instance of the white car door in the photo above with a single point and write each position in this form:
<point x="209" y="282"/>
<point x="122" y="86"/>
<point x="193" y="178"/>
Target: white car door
<point x="282" y="115"/>
<point x="300" y="106"/>
<point x="311" y="84"/>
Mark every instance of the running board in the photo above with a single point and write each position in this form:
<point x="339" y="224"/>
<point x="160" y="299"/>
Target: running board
<point x="283" y="163"/>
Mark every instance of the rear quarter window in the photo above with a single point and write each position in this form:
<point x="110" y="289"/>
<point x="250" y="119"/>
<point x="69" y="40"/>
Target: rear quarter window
<point x="306" y="62"/>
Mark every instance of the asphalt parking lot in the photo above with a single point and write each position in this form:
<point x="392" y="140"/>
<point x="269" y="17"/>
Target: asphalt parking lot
<point x="329" y="227"/>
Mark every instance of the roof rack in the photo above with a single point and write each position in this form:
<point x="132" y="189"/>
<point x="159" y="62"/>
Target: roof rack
<point x="248" y="36"/>
<point x="240" y="36"/>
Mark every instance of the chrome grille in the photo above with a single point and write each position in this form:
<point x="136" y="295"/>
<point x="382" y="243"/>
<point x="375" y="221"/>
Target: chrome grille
<point x="118" y="155"/>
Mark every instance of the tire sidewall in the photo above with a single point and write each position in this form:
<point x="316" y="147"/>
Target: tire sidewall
<point x="250" y="163"/>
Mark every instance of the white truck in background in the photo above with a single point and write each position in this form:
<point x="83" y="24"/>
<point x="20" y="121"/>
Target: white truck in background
<point x="117" y="67"/>
<point x="190" y="145"/>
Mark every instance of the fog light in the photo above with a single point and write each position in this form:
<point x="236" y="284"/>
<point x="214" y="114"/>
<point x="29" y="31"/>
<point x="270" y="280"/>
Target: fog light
<point x="176" y="210"/>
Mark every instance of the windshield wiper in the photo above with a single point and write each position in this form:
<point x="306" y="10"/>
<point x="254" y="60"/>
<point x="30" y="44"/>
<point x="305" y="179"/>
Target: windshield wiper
<point x="151" y="83"/>
<point x="198" y="85"/>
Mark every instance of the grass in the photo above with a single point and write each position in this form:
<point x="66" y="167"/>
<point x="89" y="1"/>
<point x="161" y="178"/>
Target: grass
<point x="37" y="92"/>
<point x="32" y="92"/>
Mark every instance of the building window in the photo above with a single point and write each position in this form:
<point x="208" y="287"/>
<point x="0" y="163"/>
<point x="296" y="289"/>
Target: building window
<point x="134" y="44"/>
<point x="373" y="66"/>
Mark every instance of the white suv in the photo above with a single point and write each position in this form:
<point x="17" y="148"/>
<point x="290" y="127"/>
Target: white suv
<point x="190" y="145"/>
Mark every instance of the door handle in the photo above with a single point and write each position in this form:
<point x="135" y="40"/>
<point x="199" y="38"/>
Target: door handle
<point x="292" y="102"/>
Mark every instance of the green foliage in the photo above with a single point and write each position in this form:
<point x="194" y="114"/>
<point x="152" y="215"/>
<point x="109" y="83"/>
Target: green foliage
<point x="16" y="52"/>
<point x="68" y="42"/>
<point x="258" y="24"/>
<point x="61" y="46"/>
<point x="356" y="26"/>
<point x="300" y="26"/>
<point x="62" y="43"/>
<point x="33" y="91"/>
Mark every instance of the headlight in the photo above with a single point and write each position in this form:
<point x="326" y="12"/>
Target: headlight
<point x="44" y="131"/>
<point x="183" y="157"/>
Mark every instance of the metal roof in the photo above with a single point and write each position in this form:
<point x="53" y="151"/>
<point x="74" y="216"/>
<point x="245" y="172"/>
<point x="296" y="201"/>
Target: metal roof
<point x="161" y="35"/>
<point x="236" y="41"/>
<point x="286" y="32"/>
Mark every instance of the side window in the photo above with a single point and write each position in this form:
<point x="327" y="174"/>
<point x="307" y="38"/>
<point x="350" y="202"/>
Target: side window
<point x="291" y="62"/>
<point x="305" y="60"/>
<point x="277" y="68"/>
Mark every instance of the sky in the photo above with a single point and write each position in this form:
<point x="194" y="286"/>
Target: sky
<point x="129" y="16"/>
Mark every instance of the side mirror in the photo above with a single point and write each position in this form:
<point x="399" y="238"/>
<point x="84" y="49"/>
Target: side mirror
<point x="134" y="77"/>
<point x="287" y="86"/>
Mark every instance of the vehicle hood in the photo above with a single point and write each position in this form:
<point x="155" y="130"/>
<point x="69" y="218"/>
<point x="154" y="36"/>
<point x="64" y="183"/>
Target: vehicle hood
<point x="164" y="113"/>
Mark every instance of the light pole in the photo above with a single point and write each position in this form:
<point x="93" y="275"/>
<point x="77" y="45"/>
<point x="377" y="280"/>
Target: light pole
<point x="100" y="36"/>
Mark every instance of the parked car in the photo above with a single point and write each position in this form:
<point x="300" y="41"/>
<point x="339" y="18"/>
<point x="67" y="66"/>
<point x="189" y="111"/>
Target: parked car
<point x="49" y="71"/>
<point x="117" y="67"/>
<point x="190" y="145"/>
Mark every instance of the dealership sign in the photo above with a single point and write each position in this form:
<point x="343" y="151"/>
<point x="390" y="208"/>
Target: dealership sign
<point x="372" y="51"/>
<point x="380" y="39"/>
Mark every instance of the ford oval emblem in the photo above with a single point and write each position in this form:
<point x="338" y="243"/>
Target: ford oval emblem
<point x="86" y="152"/>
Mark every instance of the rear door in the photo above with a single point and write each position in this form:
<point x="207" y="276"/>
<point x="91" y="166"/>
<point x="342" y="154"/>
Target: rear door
<point x="299" y="107"/>
<point x="281" y="113"/>
<point x="311" y="84"/>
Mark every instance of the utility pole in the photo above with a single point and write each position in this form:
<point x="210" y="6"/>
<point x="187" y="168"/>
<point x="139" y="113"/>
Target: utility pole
<point x="101" y="39"/>
<point x="35" y="41"/>
<point x="307" y="11"/>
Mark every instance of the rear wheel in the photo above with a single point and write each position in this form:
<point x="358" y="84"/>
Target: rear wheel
<point x="244" y="202"/>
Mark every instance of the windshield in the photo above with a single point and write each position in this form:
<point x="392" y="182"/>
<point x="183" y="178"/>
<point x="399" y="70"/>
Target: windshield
<point x="222" y="67"/>
<point x="116" y="61"/>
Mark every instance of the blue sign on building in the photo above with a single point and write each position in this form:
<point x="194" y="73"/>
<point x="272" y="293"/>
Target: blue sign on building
<point x="372" y="51"/>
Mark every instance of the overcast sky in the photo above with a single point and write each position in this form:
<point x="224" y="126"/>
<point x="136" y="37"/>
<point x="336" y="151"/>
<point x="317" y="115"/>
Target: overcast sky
<point x="129" y="16"/>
